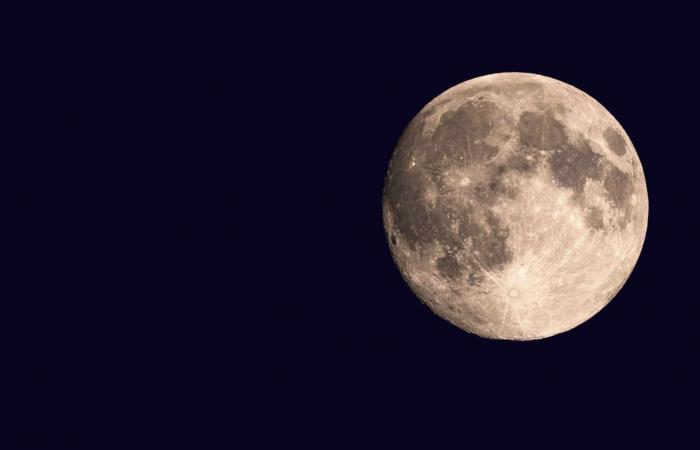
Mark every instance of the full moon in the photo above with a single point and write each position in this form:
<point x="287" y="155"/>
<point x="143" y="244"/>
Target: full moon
<point x="515" y="206"/>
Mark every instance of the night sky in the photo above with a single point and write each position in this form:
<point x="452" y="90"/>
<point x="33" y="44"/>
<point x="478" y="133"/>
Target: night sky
<point x="193" y="251"/>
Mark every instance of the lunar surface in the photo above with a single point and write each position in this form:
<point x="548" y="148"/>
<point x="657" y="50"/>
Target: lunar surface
<point x="515" y="206"/>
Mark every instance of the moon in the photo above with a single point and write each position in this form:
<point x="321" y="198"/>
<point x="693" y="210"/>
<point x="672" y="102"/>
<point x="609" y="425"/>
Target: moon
<point x="515" y="206"/>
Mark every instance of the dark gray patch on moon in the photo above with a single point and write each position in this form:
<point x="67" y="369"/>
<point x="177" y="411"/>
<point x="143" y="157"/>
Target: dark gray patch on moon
<point x="403" y="192"/>
<point x="448" y="266"/>
<point x="494" y="186"/>
<point x="493" y="252"/>
<point x="541" y="131"/>
<point x="595" y="219"/>
<point x="488" y="249"/>
<point x="459" y="136"/>
<point x="619" y="188"/>
<point x="474" y="276"/>
<point x="449" y="220"/>
<point x="572" y="164"/>
<point x="615" y="141"/>
<point x="617" y="184"/>
<point x="521" y="163"/>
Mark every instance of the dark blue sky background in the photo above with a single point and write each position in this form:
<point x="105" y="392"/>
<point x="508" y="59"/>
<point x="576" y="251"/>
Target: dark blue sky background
<point x="193" y="249"/>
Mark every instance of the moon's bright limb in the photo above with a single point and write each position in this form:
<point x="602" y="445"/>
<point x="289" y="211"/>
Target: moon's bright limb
<point x="515" y="206"/>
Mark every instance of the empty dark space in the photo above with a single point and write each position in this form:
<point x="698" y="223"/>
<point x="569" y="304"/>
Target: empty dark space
<point x="193" y="252"/>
